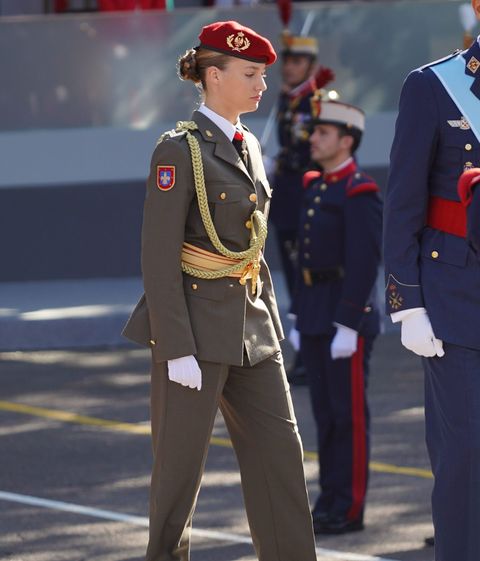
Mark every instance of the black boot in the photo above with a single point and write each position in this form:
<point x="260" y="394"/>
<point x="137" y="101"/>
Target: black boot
<point x="338" y="524"/>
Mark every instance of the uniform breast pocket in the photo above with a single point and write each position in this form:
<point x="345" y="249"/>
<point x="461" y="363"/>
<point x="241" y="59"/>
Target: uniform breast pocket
<point x="208" y="289"/>
<point x="228" y="205"/>
<point x="450" y="151"/>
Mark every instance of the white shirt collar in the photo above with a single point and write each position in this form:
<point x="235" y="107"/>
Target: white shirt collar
<point x="225" y="126"/>
<point x="344" y="164"/>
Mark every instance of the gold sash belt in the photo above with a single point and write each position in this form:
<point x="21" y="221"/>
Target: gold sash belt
<point x="207" y="261"/>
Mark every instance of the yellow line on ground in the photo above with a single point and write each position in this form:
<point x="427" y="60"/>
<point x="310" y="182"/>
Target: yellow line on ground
<point x="388" y="468"/>
<point x="385" y="468"/>
<point x="68" y="417"/>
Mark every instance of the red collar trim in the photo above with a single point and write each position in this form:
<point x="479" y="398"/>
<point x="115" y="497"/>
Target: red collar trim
<point x="334" y="176"/>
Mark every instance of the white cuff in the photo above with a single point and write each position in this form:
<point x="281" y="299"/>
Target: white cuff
<point x="400" y="316"/>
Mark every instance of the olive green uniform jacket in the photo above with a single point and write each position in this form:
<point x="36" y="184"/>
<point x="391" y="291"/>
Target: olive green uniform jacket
<point x="179" y="315"/>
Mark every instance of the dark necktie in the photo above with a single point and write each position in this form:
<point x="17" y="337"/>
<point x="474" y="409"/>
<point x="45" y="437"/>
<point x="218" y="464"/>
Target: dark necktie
<point x="240" y="146"/>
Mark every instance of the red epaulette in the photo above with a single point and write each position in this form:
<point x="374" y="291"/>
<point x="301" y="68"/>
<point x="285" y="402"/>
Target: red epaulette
<point x="361" y="183"/>
<point x="310" y="176"/>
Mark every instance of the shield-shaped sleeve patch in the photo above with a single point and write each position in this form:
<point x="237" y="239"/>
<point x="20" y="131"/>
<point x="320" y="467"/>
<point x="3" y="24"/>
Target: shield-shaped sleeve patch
<point x="165" y="177"/>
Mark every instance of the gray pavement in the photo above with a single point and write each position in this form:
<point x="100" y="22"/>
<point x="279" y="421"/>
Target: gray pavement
<point x="66" y="313"/>
<point x="52" y="448"/>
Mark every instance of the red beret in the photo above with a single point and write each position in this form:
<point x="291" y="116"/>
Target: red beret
<point x="466" y="182"/>
<point x="231" y="38"/>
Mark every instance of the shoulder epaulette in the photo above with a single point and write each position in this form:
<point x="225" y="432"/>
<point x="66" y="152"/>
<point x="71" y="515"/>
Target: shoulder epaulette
<point x="361" y="183"/>
<point x="310" y="176"/>
<point x="171" y="134"/>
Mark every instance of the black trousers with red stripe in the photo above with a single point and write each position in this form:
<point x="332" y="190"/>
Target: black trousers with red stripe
<point x="340" y="408"/>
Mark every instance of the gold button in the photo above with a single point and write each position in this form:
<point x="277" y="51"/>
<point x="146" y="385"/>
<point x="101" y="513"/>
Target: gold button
<point x="358" y="175"/>
<point x="323" y="187"/>
<point x="194" y="286"/>
<point x="434" y="254"/>
<point x="306" y="255"/>
<point x="223" y="196"/>
<point x="468" y="147"/>
<point x="242" y="281"/>
<point x="253" y="198"/>
<point x="208" y="133"/>
<point x="306" y="241"/>
<point x="153" y="342"/>
<point x="306" y="226"/>
<point x="367" y="309"/>
<point x="248" y="224"/>
<point x="310" y="212"/>
<point x="317" y="200"/>
<point x="334" y="178"/>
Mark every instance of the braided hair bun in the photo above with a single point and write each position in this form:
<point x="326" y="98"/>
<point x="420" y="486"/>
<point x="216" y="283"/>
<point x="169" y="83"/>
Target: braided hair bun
<point x="188" y="67"/>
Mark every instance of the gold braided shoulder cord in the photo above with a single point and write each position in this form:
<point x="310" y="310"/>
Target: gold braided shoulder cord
<point x="247" y="259"/>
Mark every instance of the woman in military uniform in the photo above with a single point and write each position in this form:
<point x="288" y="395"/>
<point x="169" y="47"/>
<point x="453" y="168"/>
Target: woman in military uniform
<point x="209" y="311"/>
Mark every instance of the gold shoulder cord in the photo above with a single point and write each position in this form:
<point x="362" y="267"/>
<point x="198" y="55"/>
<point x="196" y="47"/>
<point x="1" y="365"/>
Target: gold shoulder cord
<point x="248" y="260"/>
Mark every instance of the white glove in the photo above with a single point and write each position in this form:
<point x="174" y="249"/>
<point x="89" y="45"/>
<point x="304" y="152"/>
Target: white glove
<point x="294" y="338"/>
<point x="418" y="336"/>
<point x="185" y="371"/>
<point x="344" y="343"/>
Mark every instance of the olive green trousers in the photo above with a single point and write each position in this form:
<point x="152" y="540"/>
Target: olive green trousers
<point x="257" y="408"/>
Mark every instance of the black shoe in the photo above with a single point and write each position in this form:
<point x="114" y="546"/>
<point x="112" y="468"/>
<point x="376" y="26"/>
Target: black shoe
<point x="320" y="516"/>
<point x="339" y="525"/>
<point x="319" y="519"/>
<point x="430" y="541"/>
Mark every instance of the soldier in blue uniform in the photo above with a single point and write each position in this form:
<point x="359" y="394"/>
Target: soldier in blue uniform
<point x="300" y="81"/>
<point x="298" y="64"/>
<point x="336" y="313"/>
<point x="433" y="281"/>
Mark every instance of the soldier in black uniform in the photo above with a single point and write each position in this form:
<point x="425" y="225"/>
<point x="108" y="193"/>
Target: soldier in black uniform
<point x="337" y="317"/>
